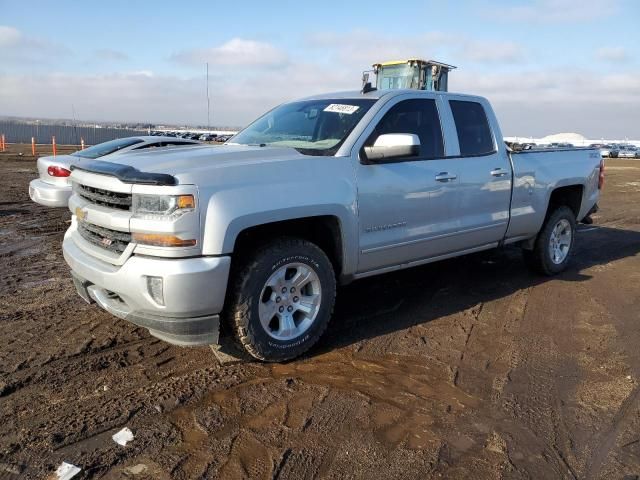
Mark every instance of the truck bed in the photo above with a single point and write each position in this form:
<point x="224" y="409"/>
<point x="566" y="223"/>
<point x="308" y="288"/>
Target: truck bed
<point x="536" y="173"/>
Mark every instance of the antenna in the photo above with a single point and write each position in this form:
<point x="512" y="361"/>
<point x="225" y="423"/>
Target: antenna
<point x="208" y="103"/>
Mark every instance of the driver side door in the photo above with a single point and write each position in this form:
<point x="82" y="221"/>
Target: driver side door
<point x="407" y="206"/>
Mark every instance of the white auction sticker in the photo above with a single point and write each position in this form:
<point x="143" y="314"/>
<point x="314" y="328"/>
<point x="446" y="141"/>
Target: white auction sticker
<point x="341" y="108"/>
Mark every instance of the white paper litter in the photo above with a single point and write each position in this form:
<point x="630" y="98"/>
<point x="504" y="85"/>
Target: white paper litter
<point x="123" y="436"/>
<point x="66" y="471"/>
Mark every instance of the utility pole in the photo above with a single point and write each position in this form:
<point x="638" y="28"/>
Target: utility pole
<point x="208" y="103"/>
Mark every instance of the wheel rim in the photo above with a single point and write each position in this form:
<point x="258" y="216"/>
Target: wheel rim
<point x="560" y="241"/>
<point x="290" y="301"/>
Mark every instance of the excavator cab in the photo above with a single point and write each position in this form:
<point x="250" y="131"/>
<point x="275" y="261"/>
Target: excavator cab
<point x="413" y="73"/>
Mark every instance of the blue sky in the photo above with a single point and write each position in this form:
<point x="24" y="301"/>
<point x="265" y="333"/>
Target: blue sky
<point x="547" y="65"/>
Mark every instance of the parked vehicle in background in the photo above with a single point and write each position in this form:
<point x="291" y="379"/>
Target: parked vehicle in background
<point x="627" y="151"/>
<point x="256" y="233"/>
<point x="615" y="149"/>
<point x="605" y="150"/>
<point x="53" y="186"/>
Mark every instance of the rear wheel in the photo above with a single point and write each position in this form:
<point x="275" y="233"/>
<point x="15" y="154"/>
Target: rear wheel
<point x="554" y="244"/>
<point x="281" y="299"/>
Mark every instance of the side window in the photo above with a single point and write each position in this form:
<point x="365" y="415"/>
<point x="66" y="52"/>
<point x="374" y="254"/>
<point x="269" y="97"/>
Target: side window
<point x="474" y="134"/>
<point x="417" y="116"/>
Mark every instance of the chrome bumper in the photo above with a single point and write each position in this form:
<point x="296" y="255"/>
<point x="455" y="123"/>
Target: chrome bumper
<point x="49" y="195"/>
<point x="193" y="291"/>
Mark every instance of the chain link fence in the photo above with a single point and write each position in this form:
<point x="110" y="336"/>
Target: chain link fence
<point x="16" y="132"/>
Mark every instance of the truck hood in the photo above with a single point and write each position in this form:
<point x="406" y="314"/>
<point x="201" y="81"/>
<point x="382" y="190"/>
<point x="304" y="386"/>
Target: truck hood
<point x="186" y="163"/>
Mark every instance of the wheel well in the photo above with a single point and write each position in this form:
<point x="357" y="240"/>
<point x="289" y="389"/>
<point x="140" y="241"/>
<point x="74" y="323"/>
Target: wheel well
<point x="570" y="196"/>
<point x="324" y="231"/>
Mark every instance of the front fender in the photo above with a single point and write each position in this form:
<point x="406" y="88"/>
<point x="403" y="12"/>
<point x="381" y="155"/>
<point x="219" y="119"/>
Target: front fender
<point x="231" y="211"/>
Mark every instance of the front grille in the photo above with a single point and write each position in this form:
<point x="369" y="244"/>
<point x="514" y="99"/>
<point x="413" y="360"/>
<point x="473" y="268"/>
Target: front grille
<point x="121" y="201"/>
<point x="104" y="237"/>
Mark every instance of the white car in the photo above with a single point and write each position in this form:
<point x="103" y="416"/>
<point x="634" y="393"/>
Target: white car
<point x="53" y="187"/>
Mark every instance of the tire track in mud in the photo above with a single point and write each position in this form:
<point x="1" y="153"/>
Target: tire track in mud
<point x="606" y="445"/>
<point x="530" y="391"/>
<point x="607" y="440"/>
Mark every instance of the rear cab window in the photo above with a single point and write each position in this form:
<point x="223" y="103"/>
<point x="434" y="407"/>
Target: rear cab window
<point x="472" y="126"/>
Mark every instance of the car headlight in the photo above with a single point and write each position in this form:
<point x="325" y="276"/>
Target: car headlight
<point x="162" y="205"/>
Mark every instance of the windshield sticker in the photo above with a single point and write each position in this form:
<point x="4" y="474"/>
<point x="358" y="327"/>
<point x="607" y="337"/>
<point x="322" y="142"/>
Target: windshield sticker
<point x="341" y="108"/>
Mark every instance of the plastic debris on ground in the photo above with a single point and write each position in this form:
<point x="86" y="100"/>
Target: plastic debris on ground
<point x="66" y="471"/>
<point x="123" y="436"/>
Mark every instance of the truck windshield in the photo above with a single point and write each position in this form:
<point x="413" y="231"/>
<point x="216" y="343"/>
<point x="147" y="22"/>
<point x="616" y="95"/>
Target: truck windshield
<point x="106" y="148"/>
<point x="312" y="127"/>
<point x="398" y="76"/>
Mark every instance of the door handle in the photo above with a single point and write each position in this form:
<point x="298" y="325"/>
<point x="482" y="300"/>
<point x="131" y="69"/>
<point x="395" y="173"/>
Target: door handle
<point x="445" y="177"/>
<point x="498" y="172"/>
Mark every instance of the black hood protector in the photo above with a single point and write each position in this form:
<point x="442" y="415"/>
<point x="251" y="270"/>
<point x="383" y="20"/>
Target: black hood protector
<point x="125" y="173"/>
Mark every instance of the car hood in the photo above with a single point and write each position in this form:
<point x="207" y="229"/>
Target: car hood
<point x="186" y="164"/>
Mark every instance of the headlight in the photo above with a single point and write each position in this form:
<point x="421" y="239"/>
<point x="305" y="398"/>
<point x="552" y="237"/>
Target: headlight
<point x="162" y="205"/>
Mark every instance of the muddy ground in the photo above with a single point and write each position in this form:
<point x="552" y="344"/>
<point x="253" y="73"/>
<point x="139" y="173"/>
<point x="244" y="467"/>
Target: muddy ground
<point x="470" y="368"/>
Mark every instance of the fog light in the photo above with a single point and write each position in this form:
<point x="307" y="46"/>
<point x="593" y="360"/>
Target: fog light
<point x="154" y="285"/>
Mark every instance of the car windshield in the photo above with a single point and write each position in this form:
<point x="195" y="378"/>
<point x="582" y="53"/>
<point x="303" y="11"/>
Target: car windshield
<point x="106" y="148"/>
<point x="312" y="127"/>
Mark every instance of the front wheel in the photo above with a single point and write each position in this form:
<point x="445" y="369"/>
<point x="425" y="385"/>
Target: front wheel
<point x="281" y="299"/>
<point x="554" y="244"/>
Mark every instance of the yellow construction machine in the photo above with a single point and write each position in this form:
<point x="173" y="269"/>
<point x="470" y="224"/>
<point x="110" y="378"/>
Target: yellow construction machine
<point x="413" y="73"/>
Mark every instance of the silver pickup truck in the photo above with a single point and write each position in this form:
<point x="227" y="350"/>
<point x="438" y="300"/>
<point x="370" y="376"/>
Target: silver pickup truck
<point x="256" y="234"/>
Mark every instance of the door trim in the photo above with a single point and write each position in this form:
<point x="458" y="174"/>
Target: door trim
<point x="416" y="263"/>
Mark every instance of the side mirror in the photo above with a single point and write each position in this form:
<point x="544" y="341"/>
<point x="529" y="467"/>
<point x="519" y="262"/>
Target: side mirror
<point x="393" y="145"/>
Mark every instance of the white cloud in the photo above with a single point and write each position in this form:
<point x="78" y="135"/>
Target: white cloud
<point x="235" y="52"/>
<point x="529" y="100"/>
<point x="612" y="54"/>
<point x="553" y="11"/>
<point x="16" y="47"/>
<point x="527" y="103"/>
<point x="538" y="103"/>
<point x="9" y="36"/>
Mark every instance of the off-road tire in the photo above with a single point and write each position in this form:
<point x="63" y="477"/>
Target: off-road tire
<point x="248" y="279"/>
<point x="539" y="259"/>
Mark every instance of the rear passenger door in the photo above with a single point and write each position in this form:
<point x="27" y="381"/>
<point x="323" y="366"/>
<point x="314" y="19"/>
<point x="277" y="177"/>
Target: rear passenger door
<point x="484" y="173"/>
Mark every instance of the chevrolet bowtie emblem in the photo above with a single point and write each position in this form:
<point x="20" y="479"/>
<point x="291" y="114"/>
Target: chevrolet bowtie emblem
<point x="81" y="214"/>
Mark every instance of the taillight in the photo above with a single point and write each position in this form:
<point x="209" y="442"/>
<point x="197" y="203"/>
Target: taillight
<point x="55" y="171"/>
<point x="601" y="175"/>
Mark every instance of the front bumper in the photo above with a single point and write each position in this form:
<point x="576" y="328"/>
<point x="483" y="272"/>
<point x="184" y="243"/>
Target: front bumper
<point x="193" y="292"/>
<point x="49" y="195"/>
